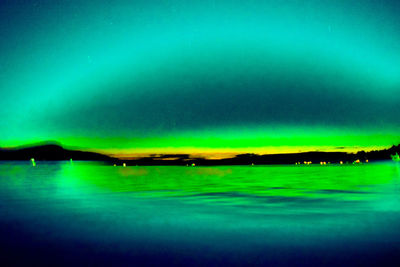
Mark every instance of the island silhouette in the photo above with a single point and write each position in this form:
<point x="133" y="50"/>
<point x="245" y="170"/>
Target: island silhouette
<point x="55" y="152"/>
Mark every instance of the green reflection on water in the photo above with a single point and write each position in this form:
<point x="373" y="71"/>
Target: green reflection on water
<point x="288" y="181"/>
<point x="262" y="201"/>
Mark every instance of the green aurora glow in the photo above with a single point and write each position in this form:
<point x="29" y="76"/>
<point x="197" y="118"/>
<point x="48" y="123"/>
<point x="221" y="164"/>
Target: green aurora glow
<point x="180" y="76"/>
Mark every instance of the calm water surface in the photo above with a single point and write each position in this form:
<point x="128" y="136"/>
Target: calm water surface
<point x="90" y="214"/>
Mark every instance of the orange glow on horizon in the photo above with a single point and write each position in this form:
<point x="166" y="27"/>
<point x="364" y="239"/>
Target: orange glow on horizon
<point x="220" y="153"/>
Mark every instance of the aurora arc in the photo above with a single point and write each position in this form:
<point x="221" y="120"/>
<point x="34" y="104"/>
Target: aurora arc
<point x="200" y="76"/>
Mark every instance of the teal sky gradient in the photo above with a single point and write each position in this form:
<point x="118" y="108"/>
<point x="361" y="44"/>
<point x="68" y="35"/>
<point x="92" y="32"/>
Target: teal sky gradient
<point x="88" y="74"/>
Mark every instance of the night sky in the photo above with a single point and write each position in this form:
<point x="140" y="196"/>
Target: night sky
<point x="200" y="76"/>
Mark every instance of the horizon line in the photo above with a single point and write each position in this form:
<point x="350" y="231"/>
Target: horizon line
<point x="205" y="153"/>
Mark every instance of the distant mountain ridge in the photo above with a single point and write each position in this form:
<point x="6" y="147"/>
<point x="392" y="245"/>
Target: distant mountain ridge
<point x="55" y="152"/>
<point x="51" y="152"/>
<point x="315" y="157"/>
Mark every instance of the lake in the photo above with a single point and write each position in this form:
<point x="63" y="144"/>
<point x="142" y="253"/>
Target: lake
<point x="87" y="213"/>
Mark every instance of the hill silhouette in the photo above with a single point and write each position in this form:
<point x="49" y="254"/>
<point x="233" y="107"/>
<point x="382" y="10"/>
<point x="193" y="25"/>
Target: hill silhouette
<point x="51" y="152"/>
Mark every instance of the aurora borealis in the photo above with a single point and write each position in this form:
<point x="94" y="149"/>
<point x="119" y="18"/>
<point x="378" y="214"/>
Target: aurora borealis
<point x="200" y="76"/>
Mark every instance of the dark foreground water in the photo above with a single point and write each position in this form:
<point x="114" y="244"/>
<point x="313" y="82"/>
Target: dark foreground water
<point x="90" y="214"/>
